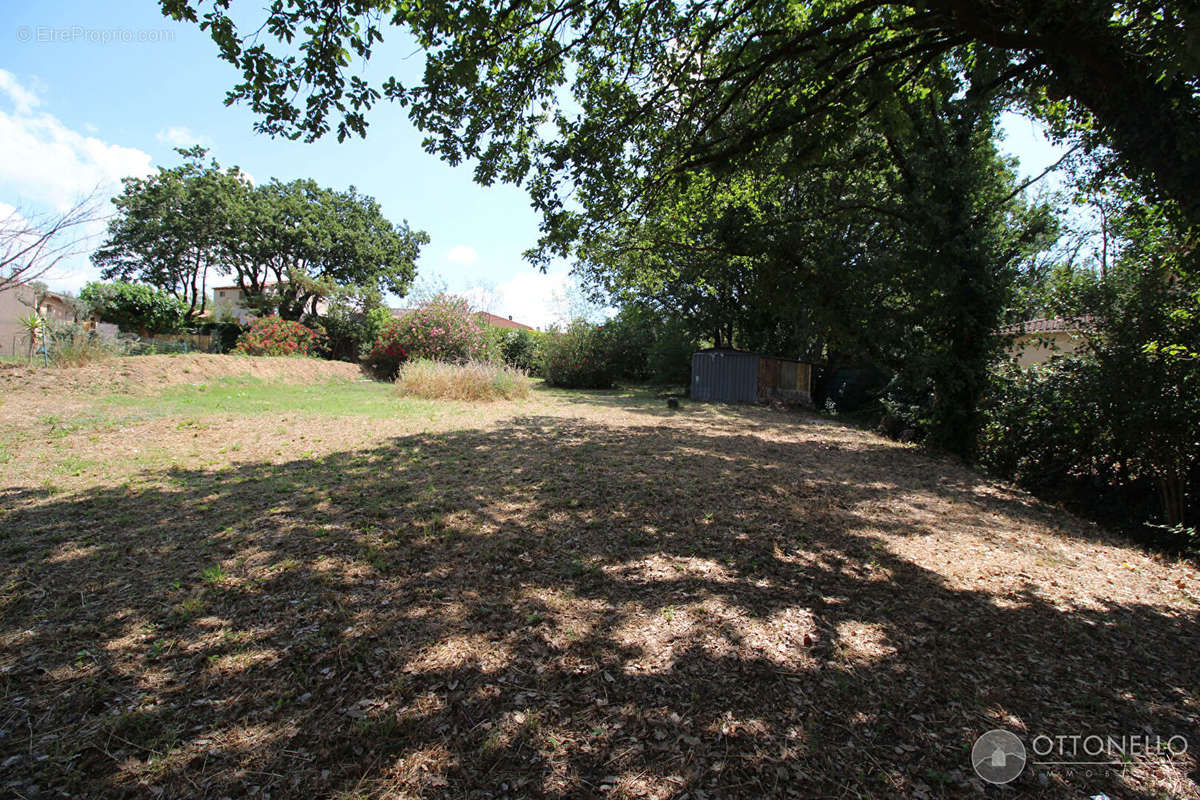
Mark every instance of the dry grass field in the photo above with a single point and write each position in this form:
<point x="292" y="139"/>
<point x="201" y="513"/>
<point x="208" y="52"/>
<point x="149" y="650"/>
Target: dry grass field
<point x="304" y="585"/>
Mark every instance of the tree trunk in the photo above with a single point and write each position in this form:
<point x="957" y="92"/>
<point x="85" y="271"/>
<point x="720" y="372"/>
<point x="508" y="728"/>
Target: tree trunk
<point x="824" y="379"/>
<point x="1173" y="490"/>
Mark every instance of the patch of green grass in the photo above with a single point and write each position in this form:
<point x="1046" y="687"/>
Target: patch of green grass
<point x="214" y="575"/>
<point x="188" y="608"/>
<point x="72" y="464"/>
<point x="284" y="566"/>
<point x="493" y="744"/>
<point x="58" y="426"/>
<point x="245" y="395"/>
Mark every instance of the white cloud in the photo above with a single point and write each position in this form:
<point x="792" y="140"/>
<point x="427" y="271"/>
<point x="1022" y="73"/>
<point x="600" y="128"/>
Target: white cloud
<point x="12" y="216"/>
<point x="48" y="164"/>
<point x="23" y="98"/>
<point x="462" y="254"/>
<point x="48" y="167"/>
<point x="530" y="297"/>
<point x="179" y="136"/>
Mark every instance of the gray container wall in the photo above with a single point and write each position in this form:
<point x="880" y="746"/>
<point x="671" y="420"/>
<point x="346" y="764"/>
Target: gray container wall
<point x="725" y="377"/>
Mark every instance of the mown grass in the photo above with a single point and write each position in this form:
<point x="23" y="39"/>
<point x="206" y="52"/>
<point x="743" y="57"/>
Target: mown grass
<point x="254" y="396"/>
<point x="195" y="406"/>
<point x="311" y="591"/>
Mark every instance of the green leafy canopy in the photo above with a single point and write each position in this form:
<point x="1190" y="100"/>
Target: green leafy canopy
<point x="603" y="99"/>
<point x="287" y="246"/>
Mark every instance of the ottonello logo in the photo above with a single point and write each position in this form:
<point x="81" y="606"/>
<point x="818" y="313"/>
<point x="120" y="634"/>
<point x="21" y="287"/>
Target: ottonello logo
<point x="998" y="756"/>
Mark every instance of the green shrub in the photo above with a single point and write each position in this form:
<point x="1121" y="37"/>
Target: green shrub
<point x="1036" y="428"/>
<point x="631" y="334"/>
<point x="224" y="335"/>
<point x="649" y="344"/>
<point x="350" y="333"/>
<point x="474" y="380"/>
<point x="579" y="358"/>
<point x="517" y="347"/>
<point x="443" y="328"/>
<point x="1124" y="410"/>
<point x="670" y="358"/>
<point x="387" y="354"/>
<point x="274" y="336"/>
<point x="135" y="307"/>
<point x="904" y="400"/>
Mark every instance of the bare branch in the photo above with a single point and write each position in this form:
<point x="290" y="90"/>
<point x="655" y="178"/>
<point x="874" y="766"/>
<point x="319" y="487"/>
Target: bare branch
<point x="33" y="244"/>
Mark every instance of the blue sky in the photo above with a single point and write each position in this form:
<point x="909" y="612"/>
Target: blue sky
<point x="90" y="92"/>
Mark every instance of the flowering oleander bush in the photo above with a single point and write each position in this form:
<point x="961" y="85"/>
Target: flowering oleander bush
<point x="441" y="329"/>
<point x="274" y="336"/>
<point x="387" y="354"/>
<point x="582" y="357"/>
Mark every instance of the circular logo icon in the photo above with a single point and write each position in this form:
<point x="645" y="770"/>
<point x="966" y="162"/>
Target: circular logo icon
<point x="998" y="756"/>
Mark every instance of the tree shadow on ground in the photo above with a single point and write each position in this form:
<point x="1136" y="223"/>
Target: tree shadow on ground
<point x="555" y="608"/>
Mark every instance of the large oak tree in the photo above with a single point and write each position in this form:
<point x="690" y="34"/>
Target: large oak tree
<point x="295" y="244"/>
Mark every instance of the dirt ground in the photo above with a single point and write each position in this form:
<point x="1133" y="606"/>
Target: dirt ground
<point x="582" y="595"/>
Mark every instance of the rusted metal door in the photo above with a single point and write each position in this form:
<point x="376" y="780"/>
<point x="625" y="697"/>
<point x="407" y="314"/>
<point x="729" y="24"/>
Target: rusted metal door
<point x="768" y="377"/>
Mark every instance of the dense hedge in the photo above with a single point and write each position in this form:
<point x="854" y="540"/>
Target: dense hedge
<point x="1056" y="431"/>
<point x="351" y="334"/>
<point x="517" y="347"/>
<point x="650" y="346"/>
<point x="581" y="357"/>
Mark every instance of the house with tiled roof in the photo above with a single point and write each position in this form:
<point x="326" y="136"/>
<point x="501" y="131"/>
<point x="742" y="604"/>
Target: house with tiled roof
<point x="502" y="322"/>
<point x="1036" y="341"/>
<point x="21" y="299"/>
<point x="230" y="301"/>
<point x="484" y="317"/>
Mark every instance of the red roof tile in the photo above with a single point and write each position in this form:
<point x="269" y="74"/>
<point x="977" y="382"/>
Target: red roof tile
<point x="1086" y="322"/>
<point x="502" y="322"/>
<point x="485" y="317"/>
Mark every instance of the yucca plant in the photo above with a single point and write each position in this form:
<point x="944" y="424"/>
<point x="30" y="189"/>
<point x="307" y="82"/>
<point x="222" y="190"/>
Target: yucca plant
<point x="33" y="326"/>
